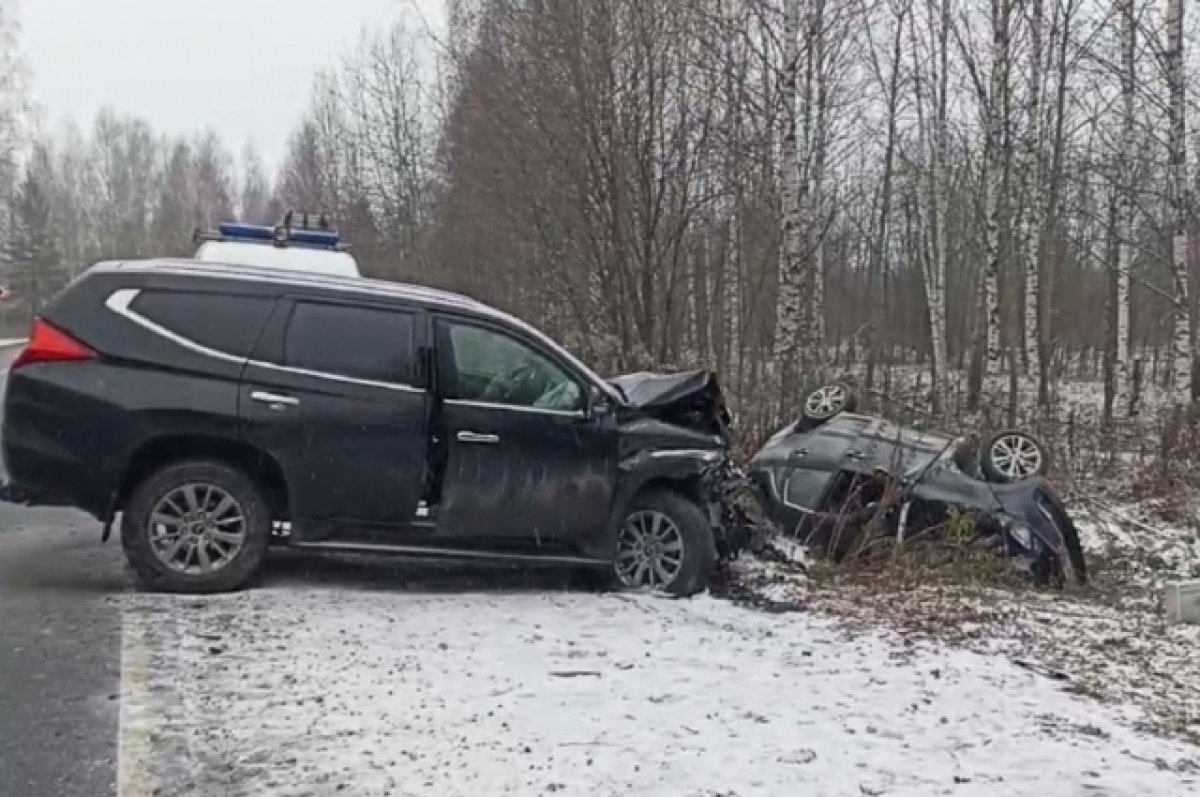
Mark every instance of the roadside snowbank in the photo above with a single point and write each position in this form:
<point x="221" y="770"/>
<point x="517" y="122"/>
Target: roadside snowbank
<point x="318" y="690"/>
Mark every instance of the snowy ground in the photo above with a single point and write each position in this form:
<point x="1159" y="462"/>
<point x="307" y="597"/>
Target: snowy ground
<point x="1109" y="640"/>
<point x="372" y="683"/>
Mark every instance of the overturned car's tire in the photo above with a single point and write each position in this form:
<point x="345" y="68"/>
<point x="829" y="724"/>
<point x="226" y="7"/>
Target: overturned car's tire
<point x="196" y="526"/>
<point x="827" y="401"/>
<point x="1012" y="456"/>
<point x="664" y="542"/>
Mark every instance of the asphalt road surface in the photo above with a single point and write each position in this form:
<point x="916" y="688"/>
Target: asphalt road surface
<point x="60" y="630"/>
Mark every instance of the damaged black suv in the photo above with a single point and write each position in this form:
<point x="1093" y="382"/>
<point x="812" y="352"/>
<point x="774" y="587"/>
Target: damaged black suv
<point x="216" y="408"/>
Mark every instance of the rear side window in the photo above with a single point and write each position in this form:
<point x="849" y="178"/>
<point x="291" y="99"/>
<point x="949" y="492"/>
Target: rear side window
<point x="228" y="323"/>
<point x="347" y="340"/>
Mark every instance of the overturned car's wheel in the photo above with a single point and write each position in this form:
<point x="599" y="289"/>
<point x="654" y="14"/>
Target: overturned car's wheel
<point x="664" y="543"/>
<point x="827" y="401"/>
<point x="197" y="526"/>
<point x="1013" y="456"/>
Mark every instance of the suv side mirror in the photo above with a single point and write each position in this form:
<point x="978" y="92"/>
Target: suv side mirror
<point x="598" y="404"/>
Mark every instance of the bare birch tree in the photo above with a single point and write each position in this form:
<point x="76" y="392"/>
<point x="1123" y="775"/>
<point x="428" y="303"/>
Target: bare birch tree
<point x="1125" y="206"/>
<point x="995" y="171"/>
<point x="791" y="267"/>
<point x="1181" y="340"/>
<point x="1034" y="210"/>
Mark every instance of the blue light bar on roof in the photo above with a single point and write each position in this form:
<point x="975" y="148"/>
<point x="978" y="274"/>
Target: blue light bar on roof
<point x="279" y="236"/>
<point x="254" y="232"/>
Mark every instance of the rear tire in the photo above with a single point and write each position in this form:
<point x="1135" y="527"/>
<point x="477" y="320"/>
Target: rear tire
<point x="665" y="543"/>
<point x="168" y="558"/>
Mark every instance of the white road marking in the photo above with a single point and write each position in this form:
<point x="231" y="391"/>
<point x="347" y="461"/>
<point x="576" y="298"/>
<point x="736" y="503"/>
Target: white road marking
<point x="134" y="745"/>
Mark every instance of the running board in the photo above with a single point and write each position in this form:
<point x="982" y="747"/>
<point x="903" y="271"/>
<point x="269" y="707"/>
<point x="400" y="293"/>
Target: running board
<point x="465" y="554"/>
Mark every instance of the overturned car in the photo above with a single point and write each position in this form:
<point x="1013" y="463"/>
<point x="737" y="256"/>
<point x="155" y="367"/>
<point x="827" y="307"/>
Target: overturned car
<point x="832" y="469"/>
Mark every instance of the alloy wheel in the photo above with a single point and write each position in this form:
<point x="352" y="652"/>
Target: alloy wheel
<point x="197" y="529"/>
<point x="826" y="401"/>
<point x="649" y="550"/>
<point x="1016" y="456"/>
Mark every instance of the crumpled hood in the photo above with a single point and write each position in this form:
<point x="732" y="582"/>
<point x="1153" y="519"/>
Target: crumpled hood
<point x="690" y="398"/>
<point x="646" y="389"/>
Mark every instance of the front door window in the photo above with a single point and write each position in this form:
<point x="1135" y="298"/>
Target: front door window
<point x="493" y="368"/>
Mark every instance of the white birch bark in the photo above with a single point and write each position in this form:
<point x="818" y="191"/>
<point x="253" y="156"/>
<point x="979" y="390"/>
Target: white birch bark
<point x="1181" y="343"/>
<point x="732" y="263"/>
<point x="817" y="299"/>
<point x="935" y="280"/>
<point x="994" y="155"/>
<point x="1034" y="214"/>
<point x="1120" y="365"/>
<point x="788" y="307"/>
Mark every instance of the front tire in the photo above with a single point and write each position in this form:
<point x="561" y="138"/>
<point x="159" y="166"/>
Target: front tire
<point x="665" y="543"/>
<point x="197" y="526"/>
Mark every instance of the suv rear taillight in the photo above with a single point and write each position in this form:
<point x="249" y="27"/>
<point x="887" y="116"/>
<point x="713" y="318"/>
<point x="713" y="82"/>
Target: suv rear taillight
<point x="49" y="344"/>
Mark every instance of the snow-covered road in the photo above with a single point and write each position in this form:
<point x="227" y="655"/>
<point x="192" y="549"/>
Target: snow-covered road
<point x="315" y="689"/>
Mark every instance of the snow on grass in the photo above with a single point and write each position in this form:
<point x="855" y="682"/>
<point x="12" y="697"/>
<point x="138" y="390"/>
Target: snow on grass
<point x="431" y="687"/>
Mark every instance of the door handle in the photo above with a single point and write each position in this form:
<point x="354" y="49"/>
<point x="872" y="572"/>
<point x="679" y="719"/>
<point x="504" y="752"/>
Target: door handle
<point x="275" y="400"/>
<point x="477" y="437"/>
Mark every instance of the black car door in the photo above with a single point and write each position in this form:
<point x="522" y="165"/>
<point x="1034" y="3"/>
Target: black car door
<point x="335" y="394"/>
<point x="525" y="462"/>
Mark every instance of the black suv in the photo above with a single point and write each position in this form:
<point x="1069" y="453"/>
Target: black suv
<point x="213" y="407"/>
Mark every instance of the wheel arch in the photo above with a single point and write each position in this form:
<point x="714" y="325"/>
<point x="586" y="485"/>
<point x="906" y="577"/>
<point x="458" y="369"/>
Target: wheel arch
<point x="163" y="450"/>
<point x="642" y="473"/>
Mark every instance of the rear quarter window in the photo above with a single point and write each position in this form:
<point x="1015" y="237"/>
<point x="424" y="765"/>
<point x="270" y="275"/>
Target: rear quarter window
<point x="360" y="342"/>
<point x="228" y="323"/>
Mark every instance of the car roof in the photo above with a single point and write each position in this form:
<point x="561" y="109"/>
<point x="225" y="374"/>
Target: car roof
<point x="362" y="286"/>
<point x="186" y="267"/>
<point x="303" y="259"/>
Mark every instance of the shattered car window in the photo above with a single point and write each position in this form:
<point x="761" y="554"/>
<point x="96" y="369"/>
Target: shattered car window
<point x="495" y="368"/>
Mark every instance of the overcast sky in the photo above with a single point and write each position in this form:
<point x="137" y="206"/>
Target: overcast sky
<point x="240" y="67"/>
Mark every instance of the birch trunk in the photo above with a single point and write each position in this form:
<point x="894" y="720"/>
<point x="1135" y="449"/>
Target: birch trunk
<point x="732" y="263"/>
<point x="817" y="299"/>
<point x="1181" y="348"/>
<point x="876" y="275"/>
<point x="935" y="286"/>
<point x="1120" y="364"/>
<point x="1035" y="213"/>
<point x="994" y="135"/>
<point x="788" y="308"/>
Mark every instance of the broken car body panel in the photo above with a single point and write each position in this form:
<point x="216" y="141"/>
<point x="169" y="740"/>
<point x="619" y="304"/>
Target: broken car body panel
<point x="674" y="430"/>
